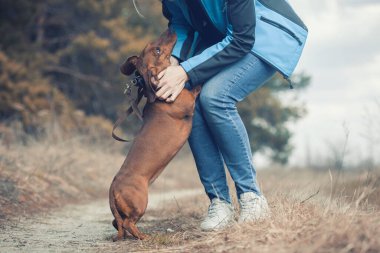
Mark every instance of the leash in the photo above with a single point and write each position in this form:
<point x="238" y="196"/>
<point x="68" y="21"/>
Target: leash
<point x="134" y="102"/>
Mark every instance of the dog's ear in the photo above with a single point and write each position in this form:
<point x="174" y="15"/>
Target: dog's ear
<point x="129" y="65"/>
<point x="149" y="91"/>
<point x="196" y="90"/>
<point x="150" y="94"/>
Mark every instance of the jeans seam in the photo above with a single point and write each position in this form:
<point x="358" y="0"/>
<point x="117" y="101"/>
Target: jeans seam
<point x="234" y="82"/>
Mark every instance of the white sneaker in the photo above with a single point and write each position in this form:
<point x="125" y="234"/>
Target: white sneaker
<point x="253" y="207"/>
<point x="220" y="214"/>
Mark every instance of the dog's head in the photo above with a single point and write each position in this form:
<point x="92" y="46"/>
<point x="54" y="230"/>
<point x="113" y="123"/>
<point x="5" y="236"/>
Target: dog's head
<point x="153" y="59"/>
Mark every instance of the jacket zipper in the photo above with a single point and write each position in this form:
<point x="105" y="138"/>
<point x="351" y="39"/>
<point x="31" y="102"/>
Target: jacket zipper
<point x="279" y="26"/>
<point x="267" y="6"/>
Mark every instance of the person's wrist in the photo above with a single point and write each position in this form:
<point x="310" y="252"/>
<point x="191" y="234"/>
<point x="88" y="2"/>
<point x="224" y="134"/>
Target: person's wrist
<point x="184" y="74"/>
<point x="174" y="61"/>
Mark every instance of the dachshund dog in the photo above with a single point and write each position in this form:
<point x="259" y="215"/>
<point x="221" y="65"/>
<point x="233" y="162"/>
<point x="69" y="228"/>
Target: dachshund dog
<point x="166" y="127"/>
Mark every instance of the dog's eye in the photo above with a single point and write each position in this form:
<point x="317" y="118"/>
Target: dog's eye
<point x="158" y="50"/>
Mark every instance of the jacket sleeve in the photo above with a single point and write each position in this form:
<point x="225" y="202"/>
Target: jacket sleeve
<point x="237" y="43"/>
<point x="184" y="31"/>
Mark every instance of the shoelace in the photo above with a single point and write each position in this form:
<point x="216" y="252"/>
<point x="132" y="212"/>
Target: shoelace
<point x="249" y="203"/>
<point x="213" y="209"/>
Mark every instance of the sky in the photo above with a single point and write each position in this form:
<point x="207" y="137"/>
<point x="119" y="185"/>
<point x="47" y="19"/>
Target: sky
<point x="342" y="55"/>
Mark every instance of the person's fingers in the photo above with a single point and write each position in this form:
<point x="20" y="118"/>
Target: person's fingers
<point x="162" y="83"/>
<point x="161" y="74"/>
<point x="162" y="90"/>
<point x="174" y="95"/>
<point x="166" y="94"/>
<point x="158" y="81"/>
<point x="154" y="81"/>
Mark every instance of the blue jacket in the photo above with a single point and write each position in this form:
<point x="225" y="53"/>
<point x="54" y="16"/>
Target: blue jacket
<point x="215" y="33"/>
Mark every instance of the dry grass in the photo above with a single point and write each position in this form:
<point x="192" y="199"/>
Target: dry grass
<point x="303" y="219"/>
<point x="311" y="211"/>
<point x="50" y="172"/>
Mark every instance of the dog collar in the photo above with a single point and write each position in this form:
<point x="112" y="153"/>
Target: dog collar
<point x="138" y="81"/>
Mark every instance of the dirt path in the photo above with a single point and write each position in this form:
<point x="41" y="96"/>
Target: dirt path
<point x="75" y="228"/>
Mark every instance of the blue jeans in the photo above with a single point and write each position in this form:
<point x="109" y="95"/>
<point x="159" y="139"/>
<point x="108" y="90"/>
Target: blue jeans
<point x="219" y="135"/>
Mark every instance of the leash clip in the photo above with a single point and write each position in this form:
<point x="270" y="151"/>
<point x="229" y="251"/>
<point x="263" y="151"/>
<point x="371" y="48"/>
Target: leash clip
<point x="128" y="87"/>
<point x="138" y="81"/>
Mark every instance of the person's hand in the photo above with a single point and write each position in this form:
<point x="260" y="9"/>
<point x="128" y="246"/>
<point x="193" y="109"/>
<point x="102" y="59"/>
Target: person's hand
<point x="171" y="81"/>
<point x="174" y="61"/>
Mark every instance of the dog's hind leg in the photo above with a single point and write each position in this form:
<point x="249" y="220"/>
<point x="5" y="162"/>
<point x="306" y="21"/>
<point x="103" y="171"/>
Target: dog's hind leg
<point x="114" y="224"/>
<point x="120" y="232"/>
<point x="118" y="221"/>
<point x="131" y="227"/>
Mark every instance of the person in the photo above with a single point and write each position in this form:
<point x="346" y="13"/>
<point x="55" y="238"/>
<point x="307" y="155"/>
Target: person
<point x="231" y="47"/>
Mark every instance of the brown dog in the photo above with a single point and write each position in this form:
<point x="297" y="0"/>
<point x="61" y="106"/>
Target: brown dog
<point x="165" y="129"/>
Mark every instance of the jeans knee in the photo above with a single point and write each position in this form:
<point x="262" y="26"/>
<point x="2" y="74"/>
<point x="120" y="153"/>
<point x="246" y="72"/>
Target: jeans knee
<point x="205" y="100"/>
<point x="211" y="100"/>
<point x="216" y="104"/>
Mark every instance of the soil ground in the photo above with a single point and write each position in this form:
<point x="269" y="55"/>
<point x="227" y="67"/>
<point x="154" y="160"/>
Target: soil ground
<point x="80" y="227"/>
